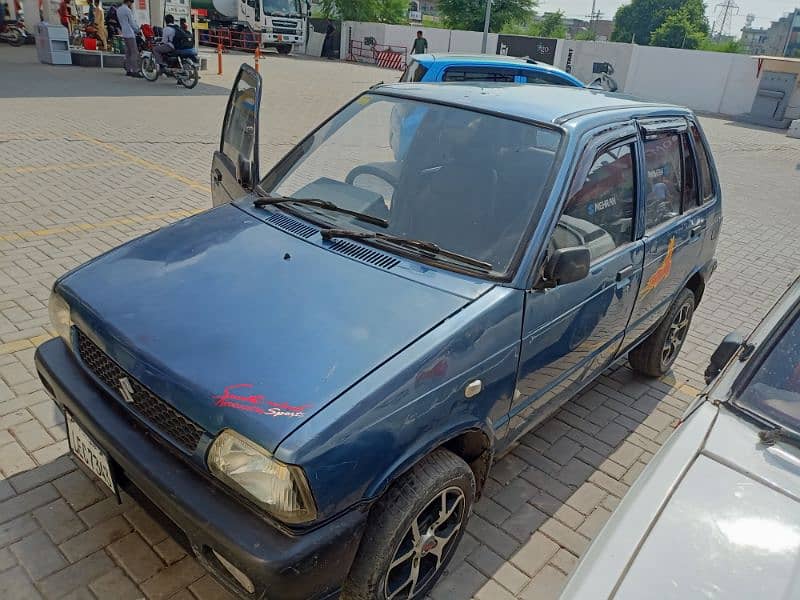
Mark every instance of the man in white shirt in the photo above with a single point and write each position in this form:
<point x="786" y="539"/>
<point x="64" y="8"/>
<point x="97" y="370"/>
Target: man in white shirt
<point x="129" y="27"/>
<point x="166" y="45"/>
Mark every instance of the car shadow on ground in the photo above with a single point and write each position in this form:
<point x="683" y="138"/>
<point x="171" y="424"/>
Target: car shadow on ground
<point x="548" y="497"/>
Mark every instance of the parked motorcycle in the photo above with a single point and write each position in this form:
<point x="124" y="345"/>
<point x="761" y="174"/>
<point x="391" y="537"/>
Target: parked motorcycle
<point x="183" y="65"/>
<point x="13" y="33"/>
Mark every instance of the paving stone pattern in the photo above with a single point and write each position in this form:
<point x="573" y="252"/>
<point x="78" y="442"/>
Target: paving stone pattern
<point x="90" y="159"/>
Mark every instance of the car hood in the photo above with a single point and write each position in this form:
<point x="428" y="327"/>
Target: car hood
<point x="730" y="529"/>
<point x="240" y="325"/>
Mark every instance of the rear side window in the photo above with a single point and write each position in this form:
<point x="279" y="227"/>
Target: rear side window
<point x="599" y="212"/>
<point x="706" y="184"/>
<point x="415" y="71"/>
<point x="479" y="74"/>
<point x="664" y="179"/>
<point x="690" y="198"/>
<point x="544" y="78"/>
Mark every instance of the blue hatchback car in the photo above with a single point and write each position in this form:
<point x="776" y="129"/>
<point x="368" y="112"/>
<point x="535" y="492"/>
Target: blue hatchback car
<point x="424" y="68"/>
<point x="308" y="383"/>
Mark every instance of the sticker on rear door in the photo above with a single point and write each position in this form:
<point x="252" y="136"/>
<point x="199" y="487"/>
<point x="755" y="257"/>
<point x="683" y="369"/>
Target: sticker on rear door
<point x="256" y="403"/>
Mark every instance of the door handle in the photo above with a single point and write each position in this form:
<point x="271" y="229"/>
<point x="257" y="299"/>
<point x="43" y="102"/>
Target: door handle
<point x="216" y="176"/>
<point x="625" y="273"/>
<point x="695" y="231"/>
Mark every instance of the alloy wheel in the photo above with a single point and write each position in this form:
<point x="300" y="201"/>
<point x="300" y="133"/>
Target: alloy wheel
<point x="676" y="334"/>
<point x="426" y="545"/>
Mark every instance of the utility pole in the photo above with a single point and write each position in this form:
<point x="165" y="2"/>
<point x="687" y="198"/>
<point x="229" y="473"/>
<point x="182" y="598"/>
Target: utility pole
<point x="486" y="26"/>
<point x="728" y="10"/>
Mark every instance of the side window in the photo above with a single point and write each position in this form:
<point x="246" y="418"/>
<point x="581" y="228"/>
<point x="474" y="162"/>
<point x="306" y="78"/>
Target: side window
<point x="690" y="198"/>
<point x="706" y="185"/>
<point x="543" y="78"/>
<point x="599" y="211"/>
<point x="664" y="179"/>
<point x="415" y="71"/>
<point x="479" y="74"/>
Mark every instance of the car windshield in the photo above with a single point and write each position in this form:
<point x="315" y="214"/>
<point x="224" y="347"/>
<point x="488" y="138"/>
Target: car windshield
<point x="467" y="181"/>
<point x="774" y="389"/>
<point x="283" y="8"/>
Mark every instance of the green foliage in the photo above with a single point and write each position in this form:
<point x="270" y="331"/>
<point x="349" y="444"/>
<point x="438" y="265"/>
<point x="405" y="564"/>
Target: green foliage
<point x="550" y="25"/>
<point x="469" y="14"/>
<point x="586" y="35"/>
<point x="731" y="46"/>
<point x="383" y="11"/>
<point x="641" y="18"/>
<point x="678" y="31"/>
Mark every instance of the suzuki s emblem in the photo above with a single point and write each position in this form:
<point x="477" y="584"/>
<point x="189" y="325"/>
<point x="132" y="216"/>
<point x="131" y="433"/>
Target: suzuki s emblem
<point x="126" y="389"/>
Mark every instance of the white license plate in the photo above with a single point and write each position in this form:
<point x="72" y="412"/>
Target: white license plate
<point x="89" y="453"/>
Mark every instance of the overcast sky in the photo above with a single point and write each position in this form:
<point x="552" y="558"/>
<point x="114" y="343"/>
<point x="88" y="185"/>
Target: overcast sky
<point x="764" y="10"/>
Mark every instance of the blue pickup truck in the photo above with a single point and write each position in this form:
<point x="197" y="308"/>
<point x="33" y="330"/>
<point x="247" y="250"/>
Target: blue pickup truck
<point x="309" y="382"/>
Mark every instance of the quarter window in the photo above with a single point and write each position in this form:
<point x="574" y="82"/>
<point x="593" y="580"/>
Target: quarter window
<point x="415" y="71"/>
<point x="479" y="74"/>
<point x="690" y="199"/>
<point x="664" y="179"/>
<point x="707" y="186"/>
<point x="599" y="213"/>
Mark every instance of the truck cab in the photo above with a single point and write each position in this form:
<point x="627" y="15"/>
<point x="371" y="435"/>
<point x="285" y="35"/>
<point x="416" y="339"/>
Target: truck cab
<point x="284" y="24"/>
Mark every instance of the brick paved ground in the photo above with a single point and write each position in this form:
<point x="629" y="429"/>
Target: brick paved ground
<point x="90" y="159"/>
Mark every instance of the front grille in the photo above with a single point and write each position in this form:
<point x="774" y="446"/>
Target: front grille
<point x="155" y="412"/>
<point x="284" y="31"/>
<point x="285" y="24"/>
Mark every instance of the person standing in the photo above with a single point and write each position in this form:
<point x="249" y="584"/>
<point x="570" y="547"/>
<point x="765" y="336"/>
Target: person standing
<point x="128" y="25"/>
<point x="420" y="45"/>
<point x="100" y="23"/>
<point x="327" y="45"/>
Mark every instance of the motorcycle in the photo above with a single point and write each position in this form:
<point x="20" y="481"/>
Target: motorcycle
<point x="13" y="33"/>
<point x="183" y="65"/>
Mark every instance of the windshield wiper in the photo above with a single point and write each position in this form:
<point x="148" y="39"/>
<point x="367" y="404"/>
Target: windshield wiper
<point x="267" y="199"/>
<point x="769" y="437"/>
<point x="421" y="245"/>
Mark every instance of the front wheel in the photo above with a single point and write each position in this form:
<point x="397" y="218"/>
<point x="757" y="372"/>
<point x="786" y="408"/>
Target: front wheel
<point x="150" y="69"/>
<point x="413" y="531"/>
<point x="285" y="49"/>
<point x="16" y="38"/>
<point x="190" y="76"/>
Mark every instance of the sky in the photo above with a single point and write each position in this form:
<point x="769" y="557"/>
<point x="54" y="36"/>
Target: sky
<point x="765" y="11"/>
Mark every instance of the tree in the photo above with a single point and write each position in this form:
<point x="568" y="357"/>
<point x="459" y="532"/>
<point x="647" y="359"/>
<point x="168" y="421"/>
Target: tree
<point x="678" y="31"/>
<point x="470" y="14"/>
<point x="550" y="25"/>
<point x="384" y="11"/>
<point x="586" y="35"/>
<point x="638" y="20"/>
<point x="731" y="46"/>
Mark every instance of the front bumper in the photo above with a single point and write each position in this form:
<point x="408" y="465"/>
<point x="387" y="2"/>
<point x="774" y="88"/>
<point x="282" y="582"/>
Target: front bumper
<point x="311" y="565"/>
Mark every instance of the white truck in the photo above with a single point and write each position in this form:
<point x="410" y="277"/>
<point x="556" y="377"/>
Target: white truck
<point x="282" y="24"/>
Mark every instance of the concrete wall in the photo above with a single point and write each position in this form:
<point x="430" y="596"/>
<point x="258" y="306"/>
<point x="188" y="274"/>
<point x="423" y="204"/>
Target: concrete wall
<point x="586" y="53"/>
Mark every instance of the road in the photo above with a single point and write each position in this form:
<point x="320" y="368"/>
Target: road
<point x="90" y="159"/>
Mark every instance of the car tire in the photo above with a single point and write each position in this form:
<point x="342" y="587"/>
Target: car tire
<point x="655" y="355"/>
<point x="400" y="532"/>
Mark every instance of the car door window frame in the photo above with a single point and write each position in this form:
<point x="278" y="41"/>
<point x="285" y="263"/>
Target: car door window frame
<point x="251" y="77"/>
<point x="651" y="129"/>
<point x="711" y="172"/>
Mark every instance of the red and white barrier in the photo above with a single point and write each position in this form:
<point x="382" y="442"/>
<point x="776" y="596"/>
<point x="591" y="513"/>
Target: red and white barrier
<point x="388" y="57"/>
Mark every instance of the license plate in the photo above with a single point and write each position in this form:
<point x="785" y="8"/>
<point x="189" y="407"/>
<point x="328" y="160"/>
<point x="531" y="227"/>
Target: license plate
<point x="89" y="453"/>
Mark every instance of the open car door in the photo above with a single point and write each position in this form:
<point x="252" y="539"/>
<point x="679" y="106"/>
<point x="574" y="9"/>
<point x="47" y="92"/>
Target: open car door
<point x="234" y="170"/>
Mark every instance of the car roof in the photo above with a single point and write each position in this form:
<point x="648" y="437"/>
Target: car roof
<point x="483" y="60"/>
<point x="543" y="103"/>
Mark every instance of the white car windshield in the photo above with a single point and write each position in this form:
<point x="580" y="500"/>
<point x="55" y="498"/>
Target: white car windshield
<point x="774" y="389"/>
<point x="467" y="181"/>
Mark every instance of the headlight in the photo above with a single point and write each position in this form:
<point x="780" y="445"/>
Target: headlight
<point x="60" y="318"/>
<point x="281" y="490"/>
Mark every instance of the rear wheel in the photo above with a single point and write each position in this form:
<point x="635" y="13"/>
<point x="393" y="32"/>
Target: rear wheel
<point x="190" y="76"/>
<point x="655" y="355"/>
<point x="413" y="531"/>
<point x="150" y="69"/>
<point x="285" y="49"/>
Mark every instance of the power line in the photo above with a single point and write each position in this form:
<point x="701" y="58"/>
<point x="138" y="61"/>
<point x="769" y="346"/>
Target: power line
<point x="728" y="10"/>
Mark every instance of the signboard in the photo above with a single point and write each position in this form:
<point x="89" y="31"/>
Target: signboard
<point x="200" y="25"/>
<point x="539" y="49"/>
<point x="200" y="12"/>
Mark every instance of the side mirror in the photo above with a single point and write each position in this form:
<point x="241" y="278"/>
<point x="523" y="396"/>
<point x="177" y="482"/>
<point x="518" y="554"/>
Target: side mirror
<point x="567" y="265"/>
<point x="729" y="346"/>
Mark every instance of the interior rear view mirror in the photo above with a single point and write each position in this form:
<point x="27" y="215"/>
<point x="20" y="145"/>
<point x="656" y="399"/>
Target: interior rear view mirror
<point x="729" y="345"/>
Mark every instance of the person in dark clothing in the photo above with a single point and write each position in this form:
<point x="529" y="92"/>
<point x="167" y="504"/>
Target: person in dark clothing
<point x="420" y="45"/>
<point x="327" y="45"/>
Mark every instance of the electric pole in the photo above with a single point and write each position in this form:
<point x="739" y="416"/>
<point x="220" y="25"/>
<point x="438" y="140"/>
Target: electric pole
<point x="727" y="11"/>
<point x="486" y="26"/>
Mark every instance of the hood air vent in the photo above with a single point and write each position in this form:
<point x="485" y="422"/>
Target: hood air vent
<point x="367" y="255"/>
<point x="291" y="225"/>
